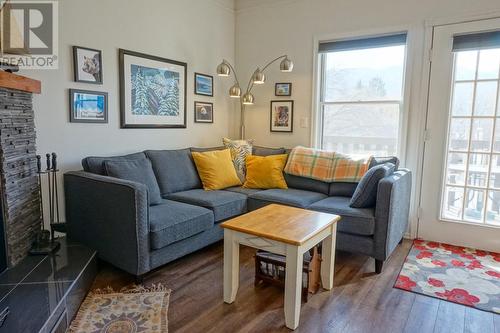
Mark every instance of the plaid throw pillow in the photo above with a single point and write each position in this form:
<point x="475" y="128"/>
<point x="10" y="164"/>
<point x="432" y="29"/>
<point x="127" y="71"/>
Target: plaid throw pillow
<point x="239" y="151"/>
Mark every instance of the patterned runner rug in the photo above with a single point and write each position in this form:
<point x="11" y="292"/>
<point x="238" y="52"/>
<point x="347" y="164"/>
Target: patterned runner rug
<point x="453" y="273"/>
<point x="136" y="309"/>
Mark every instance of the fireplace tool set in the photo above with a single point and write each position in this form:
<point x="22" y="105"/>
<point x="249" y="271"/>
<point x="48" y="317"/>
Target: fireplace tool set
<point x="45" y="242"/>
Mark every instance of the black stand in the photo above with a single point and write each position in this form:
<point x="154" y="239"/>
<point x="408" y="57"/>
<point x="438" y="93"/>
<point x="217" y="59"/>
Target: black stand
<point x="45" y="242"/>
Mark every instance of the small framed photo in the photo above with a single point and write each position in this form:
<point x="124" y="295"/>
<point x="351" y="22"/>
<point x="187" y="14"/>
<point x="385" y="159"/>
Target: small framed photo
<point x="283" y="89"/>
<point x="203" y="112"/>
<point x="203" y="84"/>
<point x="87" y="64"/>
<point x="282" y="116"/>
<point x="88" y="106"/>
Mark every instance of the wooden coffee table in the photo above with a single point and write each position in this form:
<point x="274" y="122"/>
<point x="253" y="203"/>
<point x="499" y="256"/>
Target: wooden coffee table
<point x="284" y="230"/>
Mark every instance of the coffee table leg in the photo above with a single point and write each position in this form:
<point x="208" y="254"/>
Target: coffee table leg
<point x="328" y="259"/>
<point x="231" y="266"/>
<point x="293" y="286"/>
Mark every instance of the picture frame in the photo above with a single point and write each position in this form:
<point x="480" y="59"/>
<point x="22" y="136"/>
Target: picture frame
<point x="203" y="112"/>
<point x="283" y="89"/>
<point x="87" y="65"/>
<point x="88" y="106"/>
<point x="281" y="116"/>
<point x="152" y="91"/>
<point x="203" y="84"/>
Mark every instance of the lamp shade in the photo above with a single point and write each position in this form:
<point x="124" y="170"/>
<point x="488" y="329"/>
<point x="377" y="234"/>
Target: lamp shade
<point x="247" y="99"/>
<point x="286" y="65"/>
<point x="223" y="69"/>
<point x="258" y="77"/>
<point x="235" y="91"/>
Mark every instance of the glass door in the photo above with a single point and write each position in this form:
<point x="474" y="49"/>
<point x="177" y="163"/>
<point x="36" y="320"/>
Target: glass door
<point x="460" y="199"/>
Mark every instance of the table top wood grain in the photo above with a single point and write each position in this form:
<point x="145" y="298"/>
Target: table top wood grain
<point x="285" y="224"/>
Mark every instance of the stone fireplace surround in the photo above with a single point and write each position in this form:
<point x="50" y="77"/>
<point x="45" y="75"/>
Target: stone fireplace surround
<point x="19" y="190"/>
<point x="42" y="293"/>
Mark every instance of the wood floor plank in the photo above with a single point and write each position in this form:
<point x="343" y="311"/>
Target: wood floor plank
<point x="450" y="318"/>
<point x="361" y="301"/>
<point x="477" y="321"/>
<point x="496" y="323"/>
<point x="423" y="314"/>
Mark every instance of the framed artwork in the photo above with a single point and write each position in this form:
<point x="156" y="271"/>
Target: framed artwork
<point x="281" y="116"/>
<point x="283" y="89"/>
<point x="87" y="65"/>
<point x="88" y="106"/>
<point x="203" y="112"/>
<point x="203" y="84"/>
<point x="152" y="91"/>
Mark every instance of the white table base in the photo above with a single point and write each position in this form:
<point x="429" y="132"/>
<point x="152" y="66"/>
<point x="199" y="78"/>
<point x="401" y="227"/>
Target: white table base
<point x="294" y="261"/>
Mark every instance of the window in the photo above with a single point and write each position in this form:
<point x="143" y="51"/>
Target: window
<point x="361" y="94"/>
<point x="471" y="190"/>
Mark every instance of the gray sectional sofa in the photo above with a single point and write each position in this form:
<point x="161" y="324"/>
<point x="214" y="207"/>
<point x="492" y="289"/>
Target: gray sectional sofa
<point x="114" y="217"/>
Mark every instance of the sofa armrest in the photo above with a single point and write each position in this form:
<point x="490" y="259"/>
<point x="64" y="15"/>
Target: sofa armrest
<point x="109" y="215"/>
<point x="391" y="212"/>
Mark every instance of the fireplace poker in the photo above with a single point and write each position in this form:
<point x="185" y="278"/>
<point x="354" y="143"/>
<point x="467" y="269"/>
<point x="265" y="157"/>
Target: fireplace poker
<point x="54" y="178"/>
<point x="51" y="218"/>
<point x="39" y="171"/>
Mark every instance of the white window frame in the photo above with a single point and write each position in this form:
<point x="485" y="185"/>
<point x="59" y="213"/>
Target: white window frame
<point x="318" y="83"/>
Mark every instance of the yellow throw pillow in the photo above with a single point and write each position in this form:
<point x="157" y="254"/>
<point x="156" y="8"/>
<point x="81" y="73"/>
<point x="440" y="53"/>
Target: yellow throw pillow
<point x="265" y="171"/>
<point x="216" y="169"/>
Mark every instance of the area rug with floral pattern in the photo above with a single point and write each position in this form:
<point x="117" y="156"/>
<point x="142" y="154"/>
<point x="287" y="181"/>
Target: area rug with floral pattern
<point x="453" y="273"/>
<point x="133" y="309"/>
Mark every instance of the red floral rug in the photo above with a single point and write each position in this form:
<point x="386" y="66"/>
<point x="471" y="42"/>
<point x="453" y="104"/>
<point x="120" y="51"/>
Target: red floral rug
<point x="453" y="273"/>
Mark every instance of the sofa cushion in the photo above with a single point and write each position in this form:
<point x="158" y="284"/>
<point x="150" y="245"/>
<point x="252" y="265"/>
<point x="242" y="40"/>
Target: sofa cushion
<point x="290" y="197"/>
<point x="366" y="192"/>
<point x="174" y="169"/>
<point x="359" y="221"/>
<point x="306" y="184"/>
<point x="242" y="190"/>
<point x="342" y="189"/>
<point x="172" y="221"/>
<point x="95" y="164"/>
<point x="264" y="151"/>
<point x="377" y="160"/>
<point x="139" y="171"/>
<point x="224" y="204"/>
<point x="204" y="149"/>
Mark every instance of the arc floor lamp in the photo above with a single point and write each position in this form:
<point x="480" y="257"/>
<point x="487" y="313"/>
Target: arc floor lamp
<point x="258" y="77"/>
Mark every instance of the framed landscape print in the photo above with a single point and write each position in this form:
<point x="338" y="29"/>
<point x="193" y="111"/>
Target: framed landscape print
<point x="281" y="116"/>
<point x="283" y="89"/>
<point x="152" y="91"/>
<point x="87" y="65"/>
<point x="88" y="106"/>
<point x="203" y="84"/>
<point x="203" y="112"/>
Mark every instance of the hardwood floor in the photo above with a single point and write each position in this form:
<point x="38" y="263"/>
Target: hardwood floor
<point x="361" y="301"/>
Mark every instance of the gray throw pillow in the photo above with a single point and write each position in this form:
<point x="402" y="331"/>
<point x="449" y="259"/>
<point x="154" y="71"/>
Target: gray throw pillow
<point x="365" y="195"/>
<point x="139" y="171"/>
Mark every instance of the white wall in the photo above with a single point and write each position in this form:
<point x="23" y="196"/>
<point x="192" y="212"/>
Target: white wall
<point x="266" y="29"/>
<point x="199" y="32"/>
